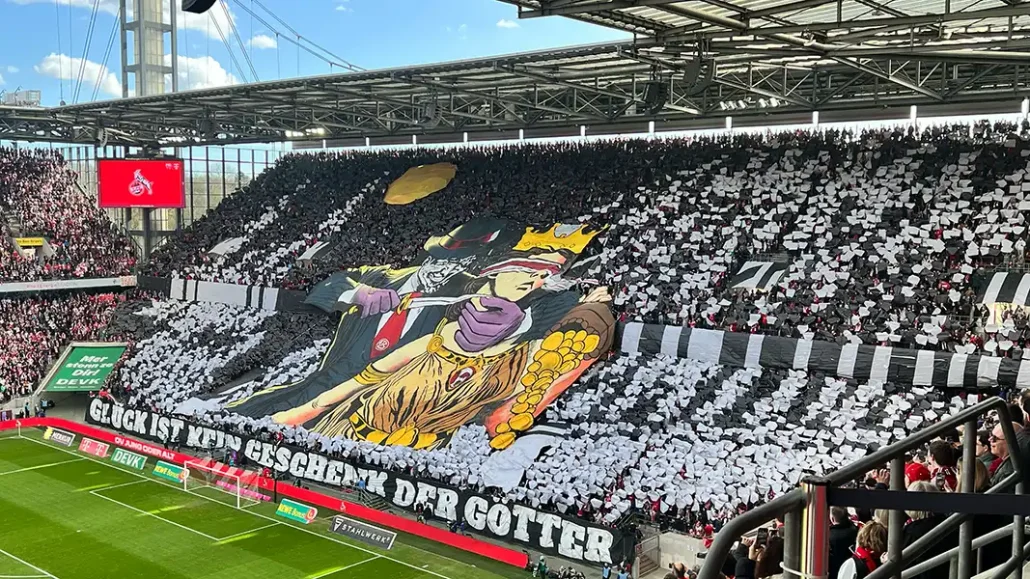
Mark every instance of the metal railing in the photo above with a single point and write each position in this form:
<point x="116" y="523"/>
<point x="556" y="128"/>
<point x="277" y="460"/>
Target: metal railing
<point x="805" y="511"/>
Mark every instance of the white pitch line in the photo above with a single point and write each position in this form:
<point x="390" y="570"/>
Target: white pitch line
<point x="135" y="482"/>
<point x="158" y="517"/>
<point x="275" y="524"/>
<point x="44" y="572"/>
<point x="335" y="571"/>
<point x="28" y="468"/>
<point x="266" y="517"/>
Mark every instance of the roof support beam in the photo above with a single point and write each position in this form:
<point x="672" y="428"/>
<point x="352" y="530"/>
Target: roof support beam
<point x="889" y="78"/>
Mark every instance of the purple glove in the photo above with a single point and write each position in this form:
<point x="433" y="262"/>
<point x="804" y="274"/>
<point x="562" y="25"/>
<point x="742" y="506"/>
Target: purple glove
<point x="478" y="330"/>
<point x="374" y="301"/>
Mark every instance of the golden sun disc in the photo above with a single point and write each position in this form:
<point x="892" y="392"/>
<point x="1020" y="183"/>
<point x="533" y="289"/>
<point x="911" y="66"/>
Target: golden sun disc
<point x="420" y="182"/>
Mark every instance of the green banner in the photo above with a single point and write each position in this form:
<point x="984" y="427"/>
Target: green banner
<point x="296" y="512"/>
<point x="129" y="459"/>
<point x="172" y="472"/>
<point x="84" y="368"/>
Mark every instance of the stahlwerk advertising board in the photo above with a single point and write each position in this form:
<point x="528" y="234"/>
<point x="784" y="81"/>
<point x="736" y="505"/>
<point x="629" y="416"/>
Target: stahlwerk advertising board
<point x="547" y="532"/>
<point x="363" y="532"/>
<point x="83" y="367"/>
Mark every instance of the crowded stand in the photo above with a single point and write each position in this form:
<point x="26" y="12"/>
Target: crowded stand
<point x="34" y="330"/>
<point x="882" y="236"/>
<point x="37" y="190"/>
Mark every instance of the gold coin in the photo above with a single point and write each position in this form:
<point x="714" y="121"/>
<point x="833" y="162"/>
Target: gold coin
<point x="578" y="346"/>
<point x="502" y="441"/>
<point x="591" y="342"/>
<point x="568" y="366"/>
<point x="521" y="397"/>
<point x="550" y="360"/>
<point x="528" y="379"/>
<point x="519" y="408"/>
<point x="503" y="427"/>
<point x="551" y="342"/>
<point x="521" y="422"/>
<point x="570" y="334"/>
<point x="542" y="383"/>
<point x="534" y="367"/>
<point x="376" y="437"/>
<point x="580" y="336"/>
<point x="534" y="399"/>
<point x="403" y="437"/>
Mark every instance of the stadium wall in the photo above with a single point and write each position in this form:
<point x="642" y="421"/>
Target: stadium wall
<point x="469" y="544"/>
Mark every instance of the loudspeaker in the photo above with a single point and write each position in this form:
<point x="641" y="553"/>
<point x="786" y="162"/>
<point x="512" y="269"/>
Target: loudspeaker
<point x="656" y="94"/>
<point x="197" y="6"/>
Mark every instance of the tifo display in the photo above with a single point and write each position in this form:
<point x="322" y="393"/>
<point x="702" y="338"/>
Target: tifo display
<point x="548" y="346"/>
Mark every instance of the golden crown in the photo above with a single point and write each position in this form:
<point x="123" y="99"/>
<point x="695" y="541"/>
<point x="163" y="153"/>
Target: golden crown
<point x="560" y="236"/>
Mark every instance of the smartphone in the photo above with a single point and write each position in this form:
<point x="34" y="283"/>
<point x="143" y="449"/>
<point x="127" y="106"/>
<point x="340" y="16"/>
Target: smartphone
<point x="762" y="537"/>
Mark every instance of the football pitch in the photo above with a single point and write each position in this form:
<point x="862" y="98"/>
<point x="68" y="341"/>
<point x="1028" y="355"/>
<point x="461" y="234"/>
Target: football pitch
<point x="68" y="515"/>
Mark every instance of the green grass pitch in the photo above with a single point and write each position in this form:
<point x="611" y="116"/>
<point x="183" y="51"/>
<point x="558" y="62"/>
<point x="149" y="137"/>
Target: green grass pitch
<point x="67" y="515"/>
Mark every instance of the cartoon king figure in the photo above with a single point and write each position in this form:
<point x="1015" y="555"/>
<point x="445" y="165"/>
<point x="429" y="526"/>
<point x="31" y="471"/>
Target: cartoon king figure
<point x="504" y="346"/>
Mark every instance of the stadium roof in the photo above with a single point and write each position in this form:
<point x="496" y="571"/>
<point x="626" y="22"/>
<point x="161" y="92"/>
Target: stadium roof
<point x="689" y="65"/>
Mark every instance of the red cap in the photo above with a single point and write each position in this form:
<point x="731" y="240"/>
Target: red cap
<point x="916" y="472"/>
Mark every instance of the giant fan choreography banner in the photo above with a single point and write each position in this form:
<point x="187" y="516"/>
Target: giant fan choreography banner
<point x="547" y="532"/>
<point x="485" y="329"/>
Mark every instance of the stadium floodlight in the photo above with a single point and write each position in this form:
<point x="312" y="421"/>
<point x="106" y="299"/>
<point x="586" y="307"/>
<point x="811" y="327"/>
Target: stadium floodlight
<point x="204" y="477"/>
<point x="197" y="6"/>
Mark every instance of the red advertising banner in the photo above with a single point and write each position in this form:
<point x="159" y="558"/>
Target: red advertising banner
<point x="150" y="183"/>
<point x="98" y="449"/>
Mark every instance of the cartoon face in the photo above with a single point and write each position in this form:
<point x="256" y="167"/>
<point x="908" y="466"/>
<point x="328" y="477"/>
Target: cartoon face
<point x="514" y="278"/>
<point x="434" y="273"/>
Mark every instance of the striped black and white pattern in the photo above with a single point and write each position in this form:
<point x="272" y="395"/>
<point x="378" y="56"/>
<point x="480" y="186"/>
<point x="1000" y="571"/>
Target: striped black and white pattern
<point x="861" y="362"/>
<point x="1007" y="288"/>
<point x="316" y="251"/>
<point x="249" y="296"/>
<point x="227" y="246"/>
<point x="760" y="275"/>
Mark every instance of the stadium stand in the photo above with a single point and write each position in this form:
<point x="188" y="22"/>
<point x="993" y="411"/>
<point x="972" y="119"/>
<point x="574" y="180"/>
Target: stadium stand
<point x="38" y="193"/>
<point x="885" y="237"/>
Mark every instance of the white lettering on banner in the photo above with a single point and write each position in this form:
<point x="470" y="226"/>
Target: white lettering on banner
<point x="548" y="524"/>
<point x="523" y="516"/>
<point x="405" y="494"/>
<point x="571" y="542"/>
<point x="282" y="459"/>
<point x="498" y="518"/>
<point x="475" y="513"/>
<point x="547" y="531"/>
<point x="316" y="467"/>
<point x="298" y="464"/>
<point x="599" y="545"/>
<point x="333" y="472"/>
<point x="447" y="505"/>
<point x="426" y="493"/>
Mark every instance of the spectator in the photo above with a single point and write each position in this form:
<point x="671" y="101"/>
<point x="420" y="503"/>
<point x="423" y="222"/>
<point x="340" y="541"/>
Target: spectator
<point x="1002" y="465"/>
<point x="843" y="534"/>
<point x="983" y="448"/>
<point x="870" y="546"/>
<point x="943" y="462"/>
<point x="922" y="522"/>
<point x="916" y="472"/>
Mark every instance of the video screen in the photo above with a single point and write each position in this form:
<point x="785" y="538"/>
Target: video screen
<point x="149" y="183"/>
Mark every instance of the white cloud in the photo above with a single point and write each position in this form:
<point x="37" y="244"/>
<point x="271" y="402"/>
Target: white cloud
<point x="505" y="23"/>
<point x="64" y="67"/>
<point x="2" y="81"/>
<point x="108" y="6"/>
<point x="185" y="20"/>
<point x="201" y="72"/>
<point x="344" y="8"/>
<point x="12" y="69"/>
<point x="262" y="41"/>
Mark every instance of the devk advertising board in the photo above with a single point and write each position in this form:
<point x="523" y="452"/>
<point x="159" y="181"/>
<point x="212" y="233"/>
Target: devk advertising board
<point x="150" y="183"/>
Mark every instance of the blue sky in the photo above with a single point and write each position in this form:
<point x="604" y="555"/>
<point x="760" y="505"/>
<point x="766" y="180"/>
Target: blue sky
<point x="43" y="40"/>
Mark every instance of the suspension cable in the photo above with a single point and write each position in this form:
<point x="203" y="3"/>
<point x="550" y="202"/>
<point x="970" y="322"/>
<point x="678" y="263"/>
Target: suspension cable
<point x="311" y="42"/>
<point x="228" y="48"/>
<point x="85" y="49"/>
<point x="239" y="41"/>
<point x="60" y="66"/>
<point x="340" y="62"/>
<point x="107" y="55"/>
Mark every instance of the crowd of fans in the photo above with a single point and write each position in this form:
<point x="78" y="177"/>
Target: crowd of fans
<point x="38" y="193"/>
<point x="886" y="236"/>
<point x="34" y="330"/>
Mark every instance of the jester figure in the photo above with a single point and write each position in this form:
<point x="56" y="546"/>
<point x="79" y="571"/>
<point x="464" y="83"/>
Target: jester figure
<point x="509" y="341"/>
